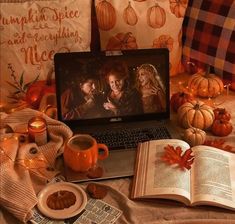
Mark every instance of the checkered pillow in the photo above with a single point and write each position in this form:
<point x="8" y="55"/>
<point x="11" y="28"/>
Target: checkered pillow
<point x="209" y="35"/>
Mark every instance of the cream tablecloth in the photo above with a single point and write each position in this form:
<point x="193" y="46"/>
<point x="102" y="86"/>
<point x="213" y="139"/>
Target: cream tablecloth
<point x="162" y="211"/>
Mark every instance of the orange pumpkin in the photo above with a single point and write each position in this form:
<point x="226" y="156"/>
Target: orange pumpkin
<point x="122" y="41"/>
<point x="156" y="16"/>
<point x="222" y="113"/>
<point x="37" y="90"/>
<point x="178" y="7"/>
<point x="129" y="15"/>
<point x="195" y="114"/>
<point x="221" y="127"/>
<point x="178" y="99"/>
<point x="106" y="15"/>
<point x="164" y="41"/>
<point x="205" y="84"/>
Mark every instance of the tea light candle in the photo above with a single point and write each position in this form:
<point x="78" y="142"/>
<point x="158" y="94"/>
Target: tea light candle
<point x="37" y="130"/>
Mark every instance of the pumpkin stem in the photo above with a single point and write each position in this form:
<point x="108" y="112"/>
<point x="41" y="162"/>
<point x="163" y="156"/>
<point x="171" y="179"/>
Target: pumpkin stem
<point x="208" y="68"/>
<point x="222" y="111"/>
<point x="196" y="106"/>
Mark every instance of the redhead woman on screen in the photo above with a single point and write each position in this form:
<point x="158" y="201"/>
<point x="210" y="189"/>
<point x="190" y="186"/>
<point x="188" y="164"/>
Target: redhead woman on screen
<point x="122" y="98"/>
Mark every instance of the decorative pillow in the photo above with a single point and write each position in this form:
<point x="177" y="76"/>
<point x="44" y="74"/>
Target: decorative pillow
<point x="141" y="24"/>
<point x="209" y="35"/>
<point x="31" y="33"/>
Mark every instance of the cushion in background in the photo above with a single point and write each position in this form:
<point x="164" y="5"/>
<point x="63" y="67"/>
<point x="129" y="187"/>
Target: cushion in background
<point x="142" y="24"/>
<point x="209" y="36"/>
<point x="31" y="33"/>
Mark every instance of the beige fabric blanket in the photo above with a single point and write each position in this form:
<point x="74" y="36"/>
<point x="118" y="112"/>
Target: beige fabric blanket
<point x="25" y="168"/>
<point x="143" y="212"/>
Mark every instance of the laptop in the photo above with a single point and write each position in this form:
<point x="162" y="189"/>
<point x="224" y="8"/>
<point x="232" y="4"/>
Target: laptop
<point x="111" y="118"/>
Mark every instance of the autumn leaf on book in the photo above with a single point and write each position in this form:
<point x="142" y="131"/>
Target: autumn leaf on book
<point x="175" y="156"/>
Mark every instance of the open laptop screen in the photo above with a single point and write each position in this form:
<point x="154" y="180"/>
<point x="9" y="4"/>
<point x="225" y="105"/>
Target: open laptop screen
<point x="126" y="86"/>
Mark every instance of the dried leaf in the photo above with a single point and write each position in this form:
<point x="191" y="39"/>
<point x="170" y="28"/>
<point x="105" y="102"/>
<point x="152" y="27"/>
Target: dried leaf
<point x="174" y="156"/>
<point x="218" y="143"/>
<point x="22" y="79"/>
<point x="13" y="85"/>
<point x="17" y="92"/>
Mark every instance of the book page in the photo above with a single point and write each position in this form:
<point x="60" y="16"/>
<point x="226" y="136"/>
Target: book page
<point x="162" y="179"/>
<point x="213" y="177"/>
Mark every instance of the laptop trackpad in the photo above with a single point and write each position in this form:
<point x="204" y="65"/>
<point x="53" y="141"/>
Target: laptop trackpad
<point x="120" y="163"/>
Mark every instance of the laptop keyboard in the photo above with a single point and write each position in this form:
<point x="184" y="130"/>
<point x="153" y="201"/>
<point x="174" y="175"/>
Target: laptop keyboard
<point x="124" y="139"/>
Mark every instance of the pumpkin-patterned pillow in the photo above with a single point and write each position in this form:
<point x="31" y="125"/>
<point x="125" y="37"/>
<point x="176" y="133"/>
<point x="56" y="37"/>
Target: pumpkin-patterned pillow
<point x="141" y="24"/>
<point x="31" y="33"/>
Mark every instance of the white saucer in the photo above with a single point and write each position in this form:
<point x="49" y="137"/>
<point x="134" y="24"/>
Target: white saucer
<point x="80" y="204"/>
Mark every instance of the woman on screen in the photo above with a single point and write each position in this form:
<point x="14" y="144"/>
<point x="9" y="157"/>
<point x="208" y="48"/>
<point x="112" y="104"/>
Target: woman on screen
<point x="151" y="88"/>
<point x="122" y="99"/>
<point x="82" y="100"/>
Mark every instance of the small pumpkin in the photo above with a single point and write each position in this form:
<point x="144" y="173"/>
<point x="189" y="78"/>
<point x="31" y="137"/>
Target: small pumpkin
<point x="221" y="127"/>
<point x="222" y="113"/>
<point x="205" y="84"/>
<point x="196" y="114"/>
<point x="156" y="16"/>
<point x="122" y="41"/>
<point x="194" y="136"/>
<point x="37" y="90"/>
<point x="106" y="15"/>
<point x="129" y="15"/>
<point x="178" y="99"/>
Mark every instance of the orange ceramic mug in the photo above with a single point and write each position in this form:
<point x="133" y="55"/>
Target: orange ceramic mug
<point x="81" y="152"/>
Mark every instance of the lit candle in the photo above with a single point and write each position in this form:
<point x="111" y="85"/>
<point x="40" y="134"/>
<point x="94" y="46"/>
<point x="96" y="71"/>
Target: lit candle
<point x="37" y="130"/>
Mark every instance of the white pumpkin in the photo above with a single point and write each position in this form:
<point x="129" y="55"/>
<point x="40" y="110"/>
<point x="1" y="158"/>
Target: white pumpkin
<point x="195" y="114"/>
<point x="194" y="136"/>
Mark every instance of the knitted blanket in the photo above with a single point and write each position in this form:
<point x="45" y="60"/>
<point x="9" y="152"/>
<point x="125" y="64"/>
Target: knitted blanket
<point x="25" y="168"/>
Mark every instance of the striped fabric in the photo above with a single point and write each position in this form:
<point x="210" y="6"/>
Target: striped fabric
<point x="209" y="35"/>
<point x="19" y="185"/>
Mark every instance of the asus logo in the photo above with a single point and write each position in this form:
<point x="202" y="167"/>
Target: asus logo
<point x="115" y="119"/>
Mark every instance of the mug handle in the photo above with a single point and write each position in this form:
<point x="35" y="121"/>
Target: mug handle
<point x="105" y="149"/>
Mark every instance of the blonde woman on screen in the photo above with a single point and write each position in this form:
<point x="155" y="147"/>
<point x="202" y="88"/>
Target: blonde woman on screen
<point x="151" y="88"/>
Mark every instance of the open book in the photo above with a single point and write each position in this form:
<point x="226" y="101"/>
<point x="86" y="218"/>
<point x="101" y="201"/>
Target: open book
<point x="210" y="181"/>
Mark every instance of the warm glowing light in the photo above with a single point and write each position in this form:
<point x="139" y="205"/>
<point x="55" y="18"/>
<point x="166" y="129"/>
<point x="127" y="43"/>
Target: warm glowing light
<point x="37" y="124"/>
<point x="37" y="130"/>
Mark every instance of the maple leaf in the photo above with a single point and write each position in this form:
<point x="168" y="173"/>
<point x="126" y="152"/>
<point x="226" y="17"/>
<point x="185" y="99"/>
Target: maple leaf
<point x="174" y="156"/>
<point x="218" y="143"/>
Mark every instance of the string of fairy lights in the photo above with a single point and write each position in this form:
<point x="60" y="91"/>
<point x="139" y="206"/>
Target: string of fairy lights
<point x="209" y="100"/>
<point x="31" y="164"/>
